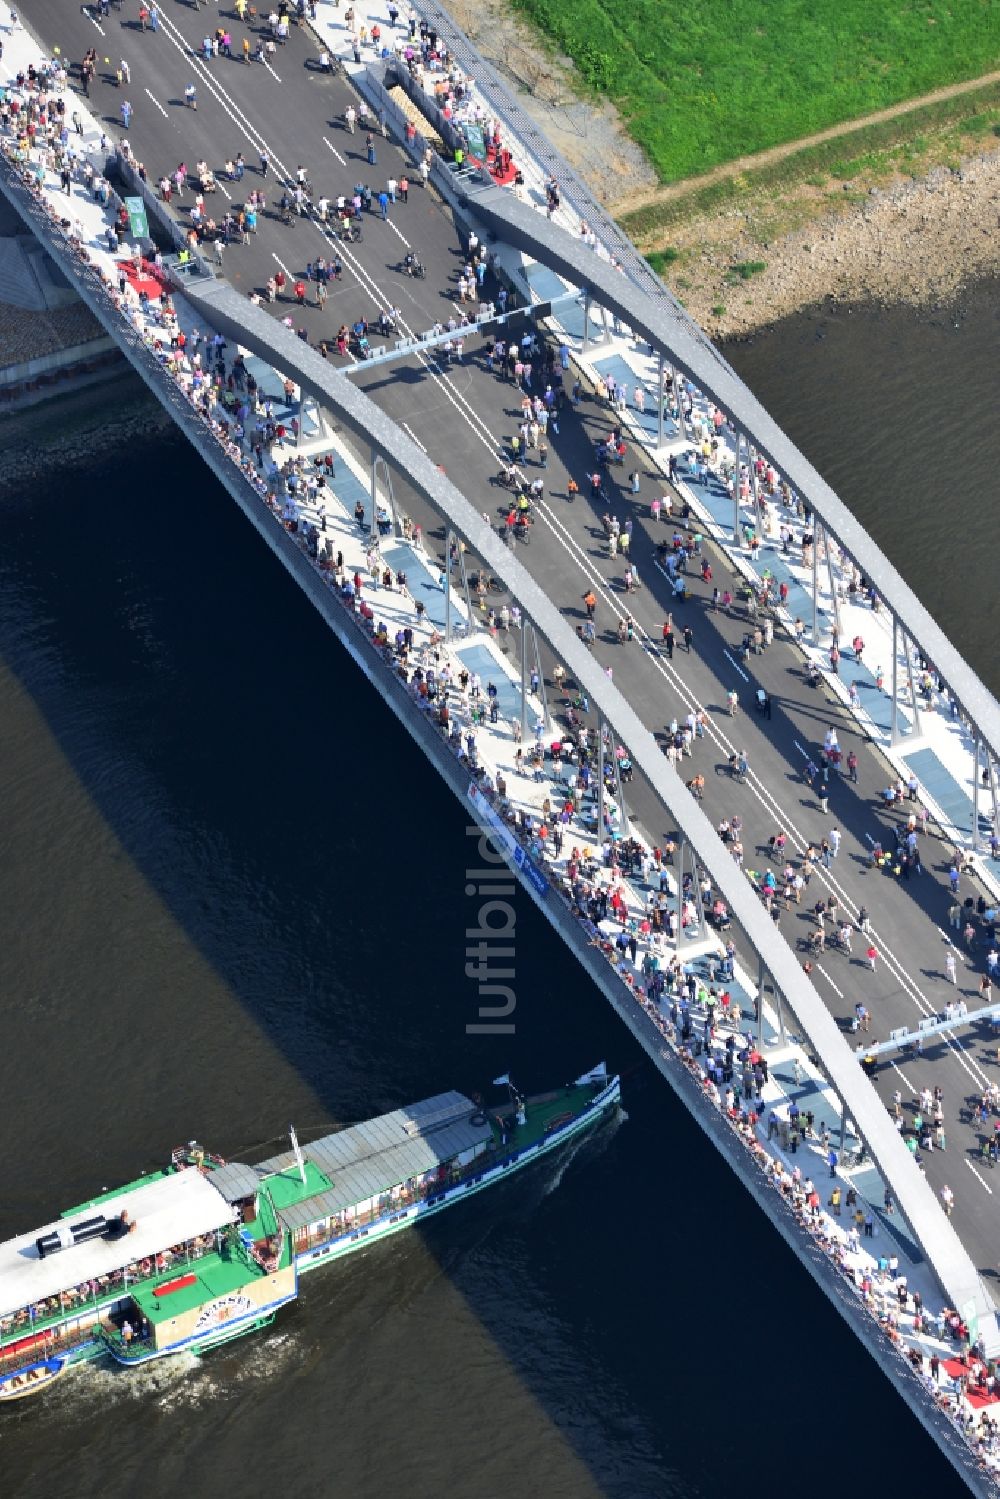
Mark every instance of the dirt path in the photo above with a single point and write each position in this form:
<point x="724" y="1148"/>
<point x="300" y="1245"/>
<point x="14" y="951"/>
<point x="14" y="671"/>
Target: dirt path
<point x="669" y="191"/>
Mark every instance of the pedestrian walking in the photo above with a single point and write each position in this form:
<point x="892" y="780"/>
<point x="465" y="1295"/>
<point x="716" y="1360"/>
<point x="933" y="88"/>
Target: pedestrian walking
<point x="871" y="954"/>
<point x="370" y="148"/>
<point x="950" y="967"/>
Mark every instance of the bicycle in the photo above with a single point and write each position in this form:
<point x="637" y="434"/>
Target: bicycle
<point x="739" y="769"/>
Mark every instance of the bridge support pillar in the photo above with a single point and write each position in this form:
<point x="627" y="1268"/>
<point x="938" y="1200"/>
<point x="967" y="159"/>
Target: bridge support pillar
<point x="585" y="345"/>
<point x="542" y="694"/>
<point x="447" y="585"/>
<point x="600" y="780"/>
<point x="681" y="851"/>
<point x="975" y="797"/>
<point x="815" y="581"/>
<point x="659" y="403"/>
<point x="834" y="605"/>
<point x="914" y="698"/>
<point x="736" y="489"/>
<point x="376" y="461"/>
<point x="460" y="549"/>
<point x="781" y="1015"/>
<point x="758" y="509"/>
<point x="894" y="715"/>
<point x="524" y="680"/>
<point x="761" y="975"/>
<point x="616" y="767"/>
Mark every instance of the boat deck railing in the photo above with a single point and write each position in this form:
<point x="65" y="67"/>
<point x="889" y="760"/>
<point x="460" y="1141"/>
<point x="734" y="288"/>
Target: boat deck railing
<point x="87" y="1308"/>
<point x="136" y="1347"/>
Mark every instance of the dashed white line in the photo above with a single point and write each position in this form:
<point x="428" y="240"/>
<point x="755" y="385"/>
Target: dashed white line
<point x="341" y="159"/>
<point x="979" y="1179"/>
<point x="224" y="190"/>
<point x="838" y="992"/>
<point x="92" y="19"/>
<point x="281" y="263"/>
<point x="402" y="236"/>
<point x="416" y="439"/>
<point x="271" y="70"/>
<point x="159" y="106"/>
<point x="736" y="666"/>
<point x="906" y="1080"/>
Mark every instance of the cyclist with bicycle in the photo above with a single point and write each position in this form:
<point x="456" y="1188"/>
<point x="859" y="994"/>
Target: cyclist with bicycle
<point x="739" y="765"/>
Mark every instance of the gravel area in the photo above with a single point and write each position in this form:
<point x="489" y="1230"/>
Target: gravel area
<point x="590" y="135"/>
<point x="913" y="242"/>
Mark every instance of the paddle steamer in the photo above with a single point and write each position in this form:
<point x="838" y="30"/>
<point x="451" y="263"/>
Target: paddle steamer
<point x="204" y="1251"/>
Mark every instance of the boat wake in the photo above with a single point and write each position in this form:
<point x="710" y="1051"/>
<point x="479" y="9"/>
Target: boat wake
<point x="594" y="1141"/>
<point x="92" y="1385"/>
<point x="179" y="1382"/>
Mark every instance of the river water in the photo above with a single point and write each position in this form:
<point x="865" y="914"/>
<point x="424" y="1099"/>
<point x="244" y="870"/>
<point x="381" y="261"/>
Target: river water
<point x="233" y="896"/>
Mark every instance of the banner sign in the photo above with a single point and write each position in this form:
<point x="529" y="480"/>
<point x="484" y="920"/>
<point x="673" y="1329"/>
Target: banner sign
<point x="505" y="840"/>
<point x="137" y="222"/>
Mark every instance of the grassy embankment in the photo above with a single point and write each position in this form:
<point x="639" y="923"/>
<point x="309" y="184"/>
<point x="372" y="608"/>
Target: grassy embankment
<point x="818" y="180"/>
<point x="702" y="87"/>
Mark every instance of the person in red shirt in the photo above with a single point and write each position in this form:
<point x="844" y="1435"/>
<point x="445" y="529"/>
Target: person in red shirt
<point x="300" y="293"/>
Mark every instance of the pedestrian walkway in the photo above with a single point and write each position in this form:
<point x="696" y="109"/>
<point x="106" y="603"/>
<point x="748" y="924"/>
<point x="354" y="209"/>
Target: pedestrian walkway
<point x="945" y="744"/>
<point x="644" y="422"/>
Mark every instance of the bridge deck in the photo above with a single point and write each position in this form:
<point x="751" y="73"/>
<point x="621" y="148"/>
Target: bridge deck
<point x="463" y="417"/>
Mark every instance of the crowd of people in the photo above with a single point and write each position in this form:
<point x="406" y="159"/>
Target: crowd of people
<point x="623" y="893"/>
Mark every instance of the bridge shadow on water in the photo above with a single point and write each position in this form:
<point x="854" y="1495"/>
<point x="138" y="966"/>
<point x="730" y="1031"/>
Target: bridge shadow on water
<point x="299" y="876"/>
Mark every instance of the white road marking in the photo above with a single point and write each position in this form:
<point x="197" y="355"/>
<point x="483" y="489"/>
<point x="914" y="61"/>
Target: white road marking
<point x="282" y="264"/>
<point x="802" y="752"/>
<point x="475" y="422"/>
<point x="736" y="666"/>
<point x="159" y="106"/>
<point x="271" y="70"/>
<point x="341" y="159"/>
<point x="838" y="992"/>
<point x="979" y="1179"/>
<point x="416" y="439"/>
<point x="92" y="19"/>
<point x="402" y="236"/>
<point x="909" y="1086"/>
<point x="225" y="191"/>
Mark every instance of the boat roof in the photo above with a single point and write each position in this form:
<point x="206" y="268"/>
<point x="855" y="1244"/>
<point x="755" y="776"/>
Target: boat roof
<point x="355" y="1164"/>
<point x="167" y="1210"/>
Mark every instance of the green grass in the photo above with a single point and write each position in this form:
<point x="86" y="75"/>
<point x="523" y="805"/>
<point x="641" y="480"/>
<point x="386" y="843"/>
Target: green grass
<point x="744" y="269"/>
<point x="660" y="259"/>
<point x="703" y="84"/>
<point x="972" y="119"/>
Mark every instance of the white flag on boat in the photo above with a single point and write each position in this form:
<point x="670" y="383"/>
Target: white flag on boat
<point x="502" y="1082"/>
<point x="597" y="1074"/>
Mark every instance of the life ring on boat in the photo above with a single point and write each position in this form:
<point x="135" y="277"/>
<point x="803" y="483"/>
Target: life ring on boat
<point x="478" y="1118"/>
